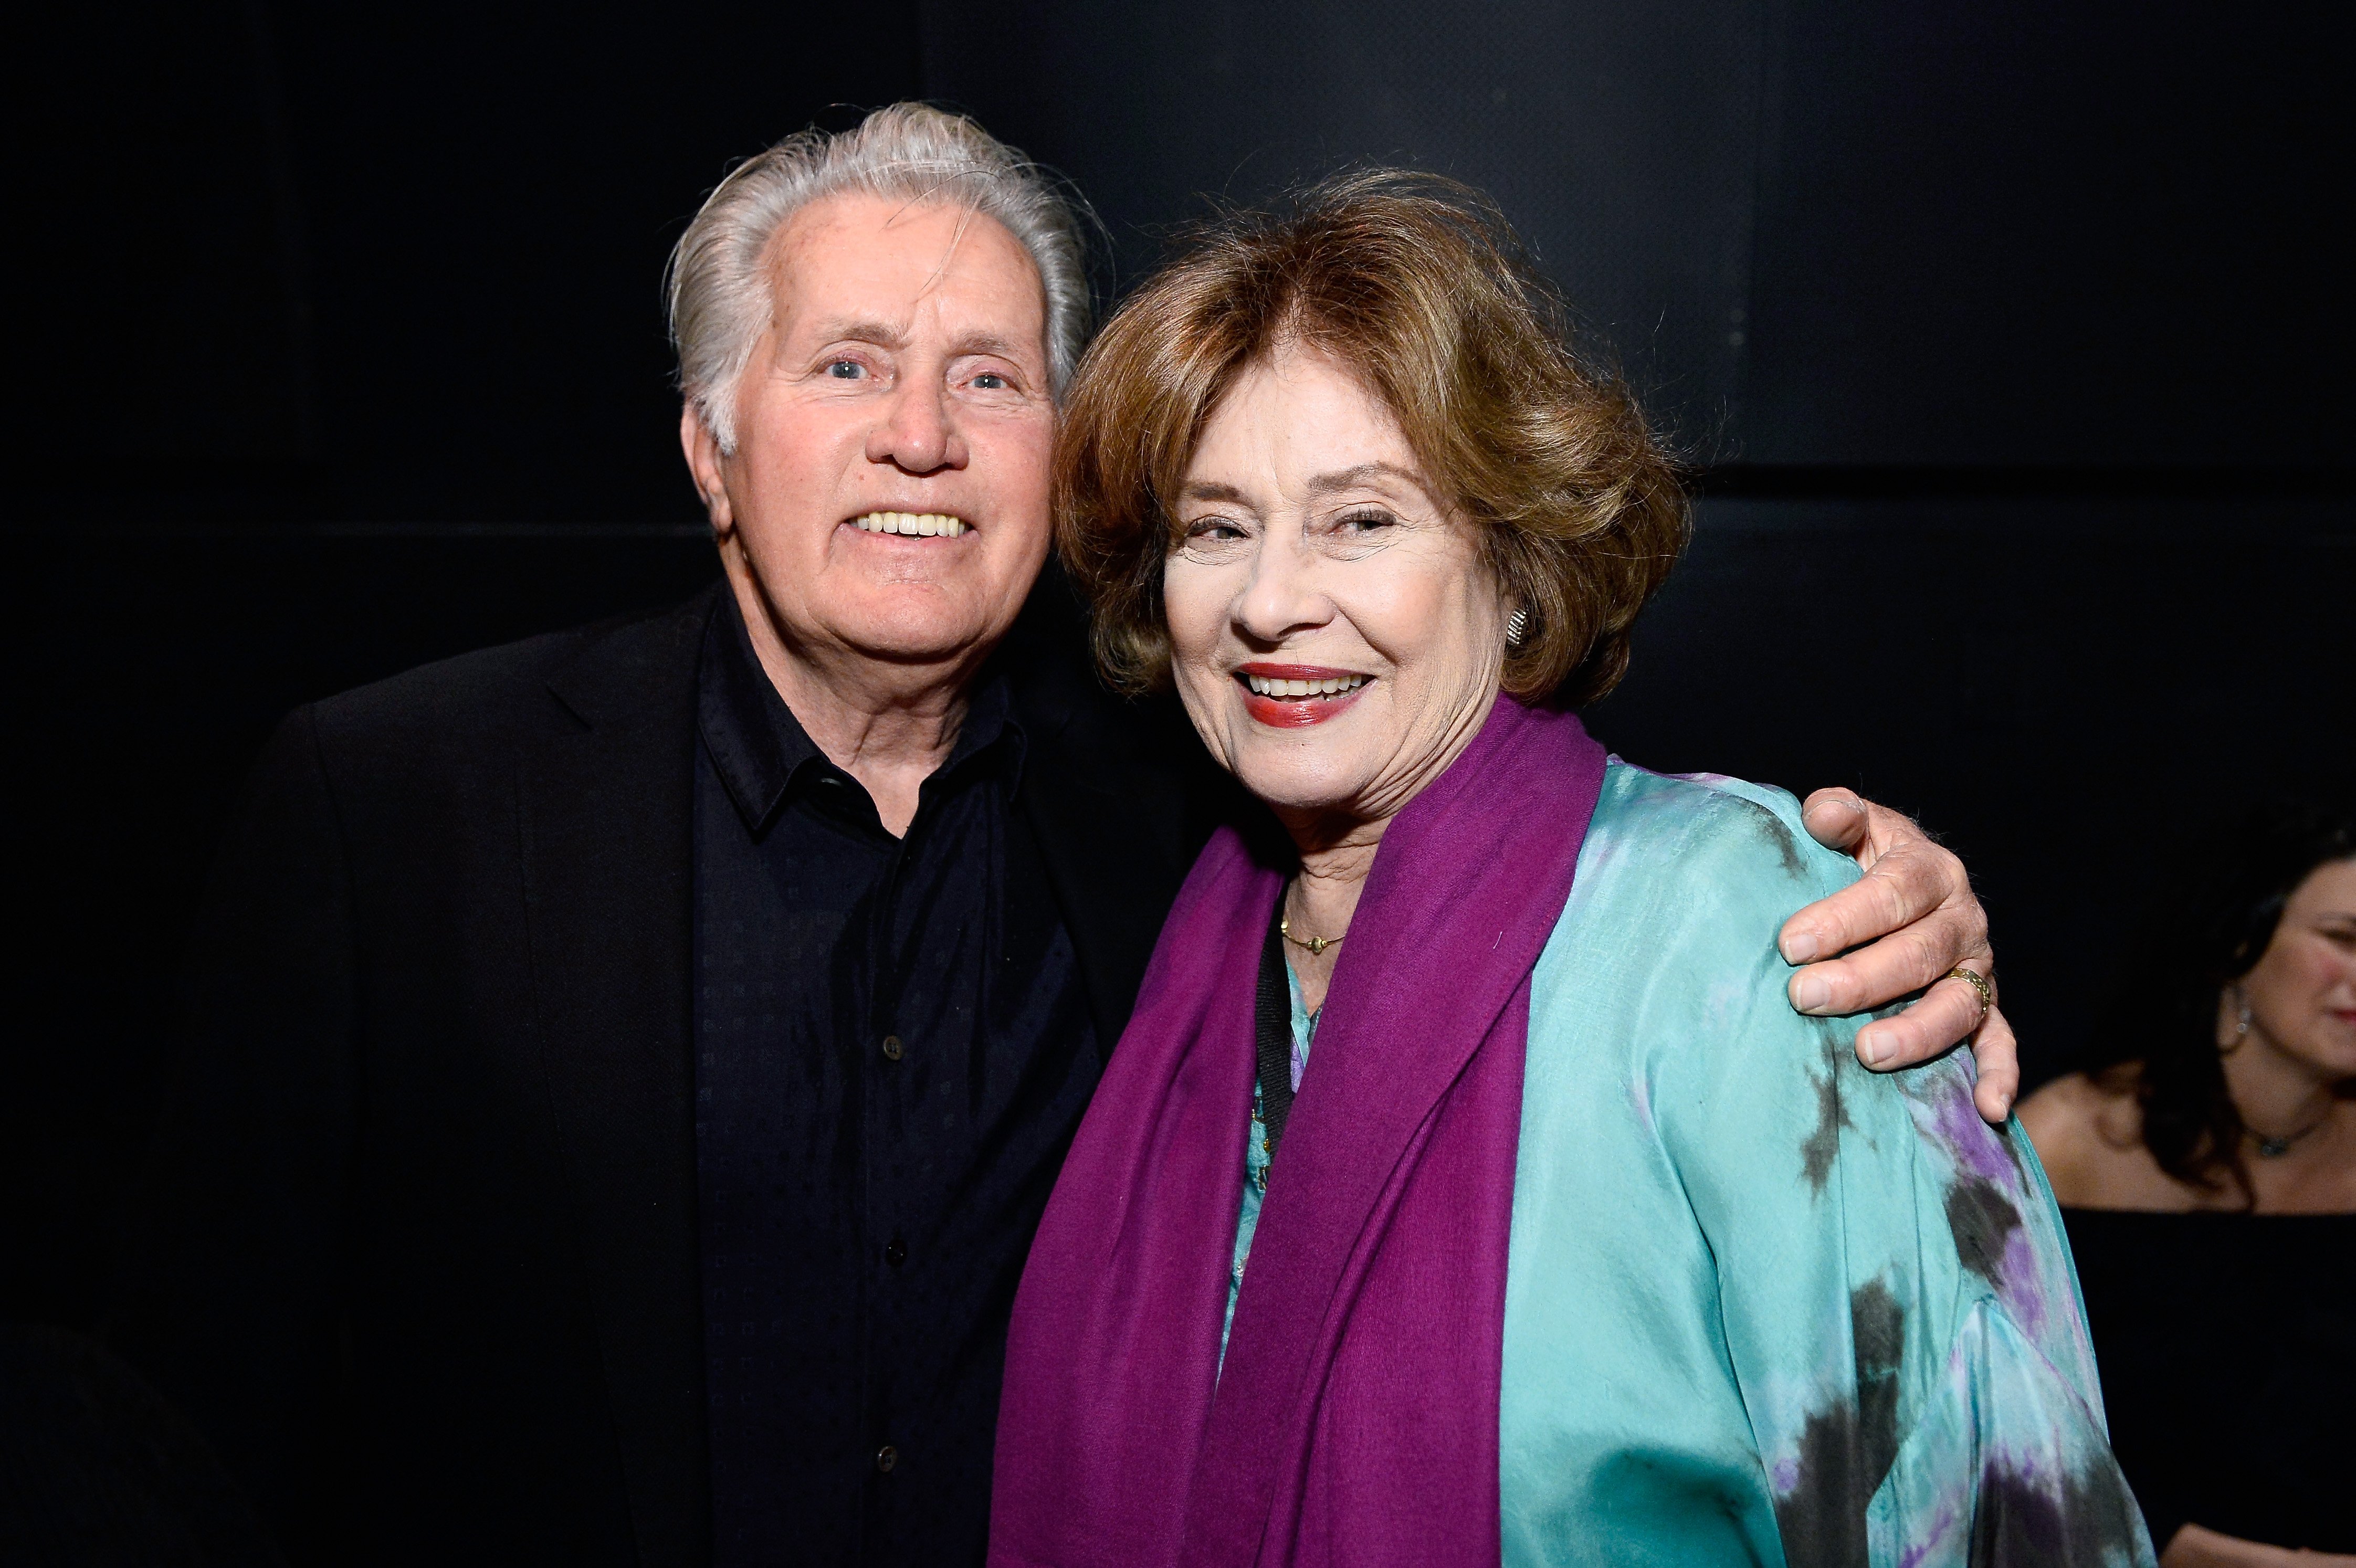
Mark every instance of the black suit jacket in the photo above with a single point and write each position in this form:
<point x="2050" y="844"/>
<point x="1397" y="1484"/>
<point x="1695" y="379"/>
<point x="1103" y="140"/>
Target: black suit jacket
<point x="422" y="1254"/>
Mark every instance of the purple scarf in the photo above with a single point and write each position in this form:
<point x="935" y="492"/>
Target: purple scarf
<point x="1356" y="1418"/>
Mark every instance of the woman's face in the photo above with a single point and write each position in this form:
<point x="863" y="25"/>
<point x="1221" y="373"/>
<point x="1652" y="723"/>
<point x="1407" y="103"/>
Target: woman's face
<point x="2302" y="992"/>
<point x="1335" y="635"/>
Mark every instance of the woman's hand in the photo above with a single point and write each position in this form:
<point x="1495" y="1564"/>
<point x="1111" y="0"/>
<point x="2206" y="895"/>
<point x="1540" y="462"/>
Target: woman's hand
<point x="1914" y="906"/>
<point x="2194" y="1547"/>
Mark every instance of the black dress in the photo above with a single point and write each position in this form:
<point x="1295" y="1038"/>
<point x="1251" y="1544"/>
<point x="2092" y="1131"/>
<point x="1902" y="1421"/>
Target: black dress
<point x="2227" y="1348"/>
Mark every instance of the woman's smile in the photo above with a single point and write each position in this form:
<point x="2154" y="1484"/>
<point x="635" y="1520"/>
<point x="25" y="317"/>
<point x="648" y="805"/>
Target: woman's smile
<point x="1293" y="696"/>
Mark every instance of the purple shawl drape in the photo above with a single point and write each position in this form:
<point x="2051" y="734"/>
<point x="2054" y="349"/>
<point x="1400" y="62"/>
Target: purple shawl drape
<point x="1355" y="1421"/>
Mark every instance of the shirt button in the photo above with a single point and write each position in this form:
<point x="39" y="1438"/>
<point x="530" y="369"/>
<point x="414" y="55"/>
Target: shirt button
<point x="892" y="1047"/>
<point x="886" y="1457"/>
<point x="896" y="1254"/>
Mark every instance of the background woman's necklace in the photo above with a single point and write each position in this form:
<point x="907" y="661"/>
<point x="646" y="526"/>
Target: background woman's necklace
<point x="2270" y="1148"/>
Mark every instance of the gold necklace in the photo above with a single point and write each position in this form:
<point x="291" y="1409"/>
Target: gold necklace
<point x="1316" y="945"/>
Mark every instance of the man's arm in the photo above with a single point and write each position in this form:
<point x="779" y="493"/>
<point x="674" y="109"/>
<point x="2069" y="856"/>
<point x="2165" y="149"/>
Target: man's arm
<point x="1914" y="910"/>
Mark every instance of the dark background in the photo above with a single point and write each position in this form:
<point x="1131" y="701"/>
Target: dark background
<point x="2004" y="337"/>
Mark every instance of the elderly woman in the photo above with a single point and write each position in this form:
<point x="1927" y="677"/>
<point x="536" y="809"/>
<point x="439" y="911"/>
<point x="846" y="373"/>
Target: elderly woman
<point x="1577" y="1244"/>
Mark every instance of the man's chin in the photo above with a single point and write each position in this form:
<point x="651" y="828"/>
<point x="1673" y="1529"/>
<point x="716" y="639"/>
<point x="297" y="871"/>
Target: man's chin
<point x="935" y="638"/>
<point x="896" y="623"/>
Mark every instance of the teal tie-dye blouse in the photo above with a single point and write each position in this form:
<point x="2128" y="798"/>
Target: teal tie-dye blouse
<point x="1763" y="1306"/>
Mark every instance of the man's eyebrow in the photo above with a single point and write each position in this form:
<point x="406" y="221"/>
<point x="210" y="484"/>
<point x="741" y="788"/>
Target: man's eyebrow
<point x="1350" y="479"/>
<point x="861" y="330"/>
<point x="990" y="343"/>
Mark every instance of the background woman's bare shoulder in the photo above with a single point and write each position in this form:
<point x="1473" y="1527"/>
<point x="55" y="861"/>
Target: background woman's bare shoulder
<point x="2088" y="1130"/>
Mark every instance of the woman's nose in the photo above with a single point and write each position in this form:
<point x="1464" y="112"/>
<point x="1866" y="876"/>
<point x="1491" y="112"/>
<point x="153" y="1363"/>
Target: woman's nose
<point x="1283" y="596"/>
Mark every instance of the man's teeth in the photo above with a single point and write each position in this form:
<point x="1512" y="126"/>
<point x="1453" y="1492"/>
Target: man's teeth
<point x="1267" y="686"/>
<point x="923" y="524"/>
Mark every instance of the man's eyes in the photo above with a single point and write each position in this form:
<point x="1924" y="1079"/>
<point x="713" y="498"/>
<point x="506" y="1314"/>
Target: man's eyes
<point x="847" y="368"/>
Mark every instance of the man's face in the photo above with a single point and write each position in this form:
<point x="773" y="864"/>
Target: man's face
<point x="903" y="384"/>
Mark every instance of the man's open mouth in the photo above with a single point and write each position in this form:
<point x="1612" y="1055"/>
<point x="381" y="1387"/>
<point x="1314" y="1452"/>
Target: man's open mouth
<point x="914" y="524"/>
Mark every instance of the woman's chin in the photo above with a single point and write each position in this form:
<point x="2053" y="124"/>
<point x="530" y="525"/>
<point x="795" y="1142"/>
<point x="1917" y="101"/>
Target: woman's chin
<point x="1283" y="784"/>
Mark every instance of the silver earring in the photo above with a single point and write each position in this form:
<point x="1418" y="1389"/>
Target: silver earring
<point x="2241" y="1024"/>
<point x="1517" y="627"/>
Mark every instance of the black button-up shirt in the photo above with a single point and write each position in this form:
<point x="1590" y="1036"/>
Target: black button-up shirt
<point x="893" y="1052"/>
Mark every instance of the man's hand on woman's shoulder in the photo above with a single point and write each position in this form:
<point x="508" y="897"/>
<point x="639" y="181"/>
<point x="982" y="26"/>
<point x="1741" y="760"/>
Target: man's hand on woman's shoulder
<point x="1910" y="920"/>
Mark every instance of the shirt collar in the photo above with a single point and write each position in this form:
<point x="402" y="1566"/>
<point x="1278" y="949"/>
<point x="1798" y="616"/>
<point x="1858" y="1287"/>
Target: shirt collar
<point x="760" y="751"/>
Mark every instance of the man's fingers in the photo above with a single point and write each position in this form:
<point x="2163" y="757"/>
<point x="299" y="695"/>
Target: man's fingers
<point x="1904" y="961"/>
<point x="1998" y="1054"/>
<point x="1835" y="818"/>
<point x="1914" y="905"/>
<point x="1931" y="1027"/>
<point x="1920" y="950"/>
<point x="1870" y="906"/>
<point x="1947" y="1013"/>
<point x="1902" y="887"/>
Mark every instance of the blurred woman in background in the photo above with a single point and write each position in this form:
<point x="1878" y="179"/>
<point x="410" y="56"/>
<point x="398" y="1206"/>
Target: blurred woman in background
<point x="2206" y="1164"/>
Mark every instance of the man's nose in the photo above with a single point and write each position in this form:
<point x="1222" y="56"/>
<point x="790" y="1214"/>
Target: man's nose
<point x="919" y="431"/>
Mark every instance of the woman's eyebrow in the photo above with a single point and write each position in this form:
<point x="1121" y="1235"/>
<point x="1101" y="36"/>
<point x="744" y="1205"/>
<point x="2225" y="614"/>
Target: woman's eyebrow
<point x="1211" y="490"/>
<point x="1350" y="479"/>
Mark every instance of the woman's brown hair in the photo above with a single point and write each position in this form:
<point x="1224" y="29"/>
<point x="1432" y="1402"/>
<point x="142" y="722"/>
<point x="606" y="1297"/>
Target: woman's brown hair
<point x="1419" y="284"/>
<point x="2159" y="1041"/>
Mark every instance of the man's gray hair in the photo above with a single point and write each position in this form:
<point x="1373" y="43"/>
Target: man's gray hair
<point x="720" y="281"/>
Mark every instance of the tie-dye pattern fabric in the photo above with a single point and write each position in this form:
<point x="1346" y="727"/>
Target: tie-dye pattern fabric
<point x="1764" y="1305"/>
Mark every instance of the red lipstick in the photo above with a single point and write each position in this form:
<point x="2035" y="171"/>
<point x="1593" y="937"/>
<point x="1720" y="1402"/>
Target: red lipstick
<point x="1297" y="711"/>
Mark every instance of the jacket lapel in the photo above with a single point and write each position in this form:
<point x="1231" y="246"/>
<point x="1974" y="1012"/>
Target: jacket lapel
<point x="608" y="854"/>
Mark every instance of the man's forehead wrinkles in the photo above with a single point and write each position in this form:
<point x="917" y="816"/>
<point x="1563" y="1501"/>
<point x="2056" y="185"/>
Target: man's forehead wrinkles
<point x="885" y="280"/>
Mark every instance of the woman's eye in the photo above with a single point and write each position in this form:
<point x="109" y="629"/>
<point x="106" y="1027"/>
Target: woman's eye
<point x="1213" y="531"/>
<point x="990" y="381"/>
<point x="1362" y="523"/>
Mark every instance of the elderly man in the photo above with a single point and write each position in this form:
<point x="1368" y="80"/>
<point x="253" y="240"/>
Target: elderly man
<point x="626" y="1068"/>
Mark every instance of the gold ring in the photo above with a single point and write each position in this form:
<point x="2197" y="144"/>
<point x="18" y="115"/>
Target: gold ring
<point x="1978" y="983"/>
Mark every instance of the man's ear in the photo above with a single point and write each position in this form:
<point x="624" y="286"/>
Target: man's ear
<point x="695" y="440"/>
